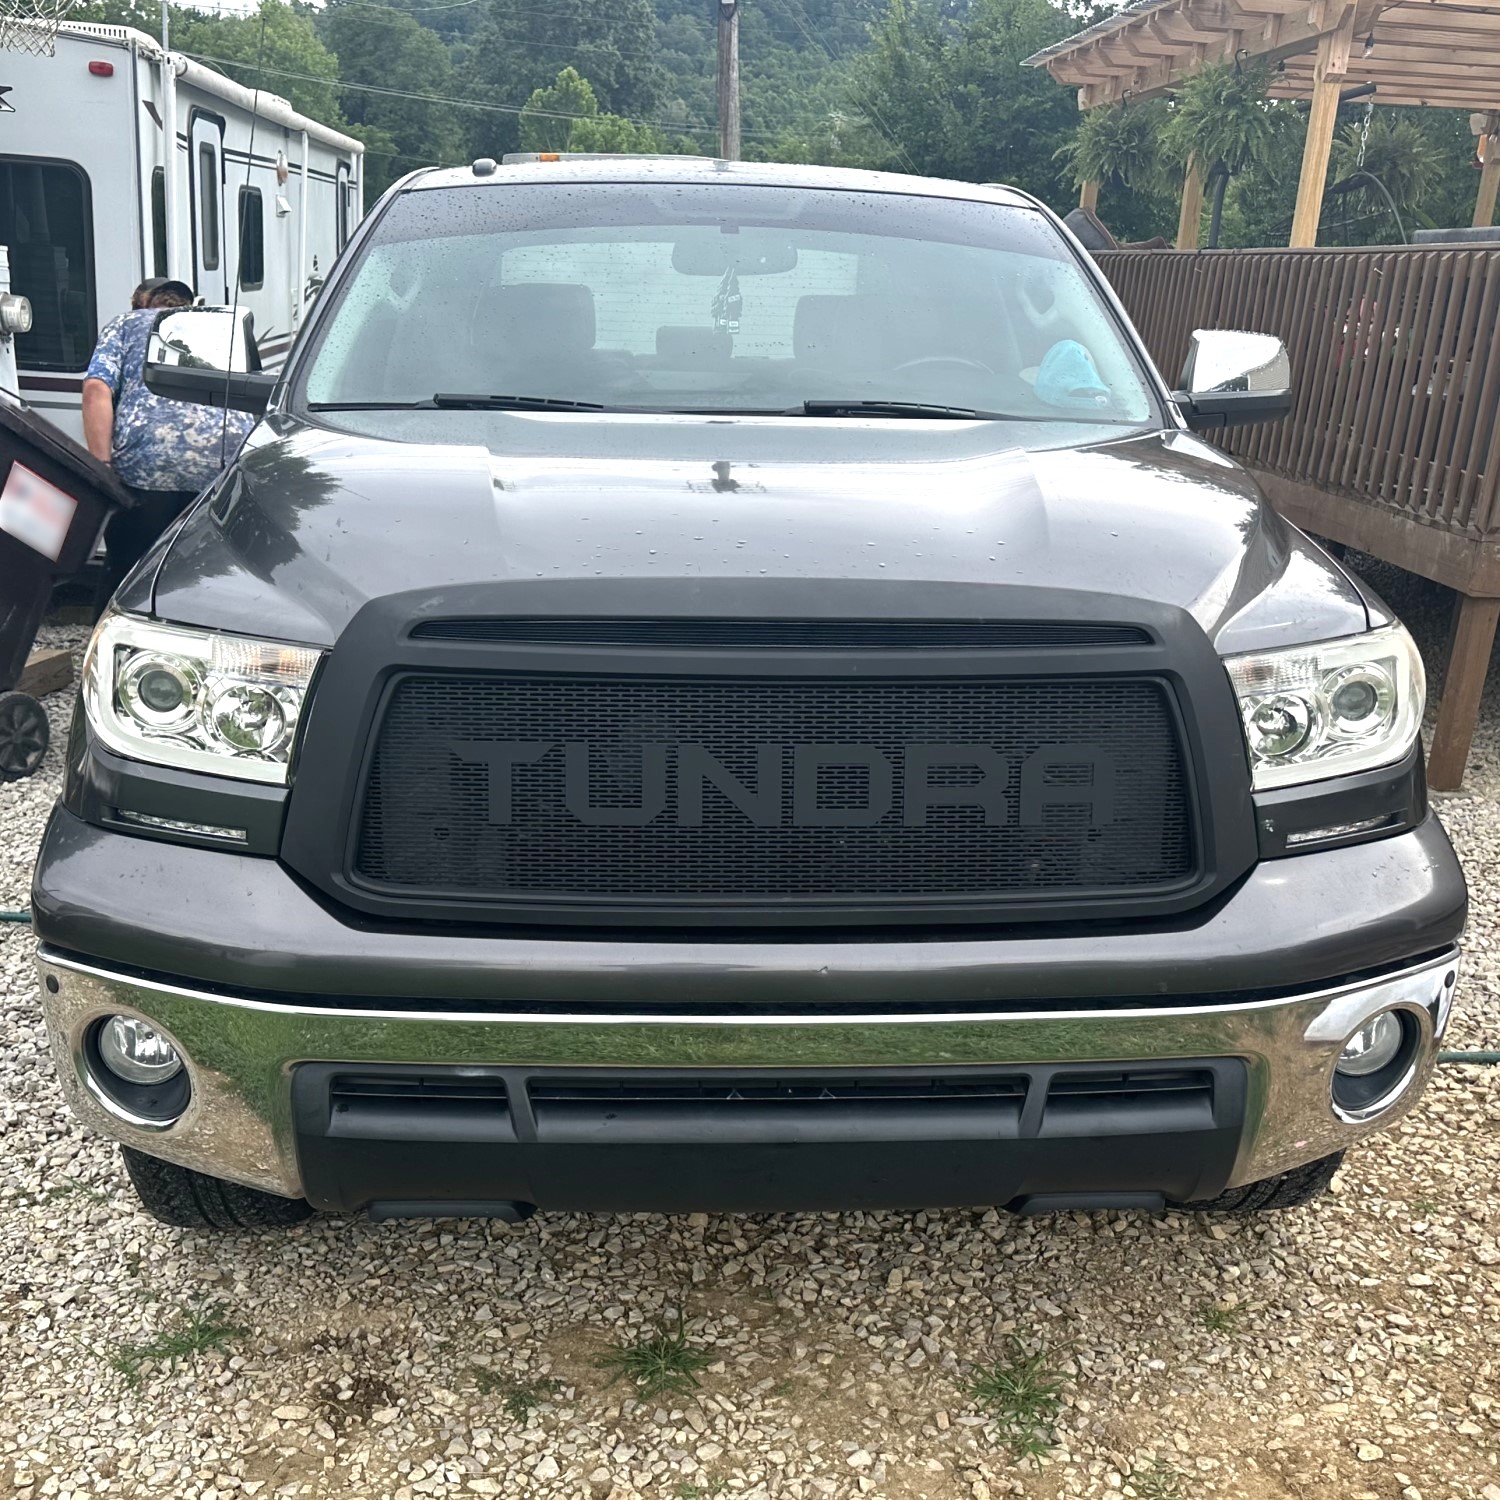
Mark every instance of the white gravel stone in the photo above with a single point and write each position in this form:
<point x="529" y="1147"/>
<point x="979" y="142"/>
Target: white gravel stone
<point x="1367" y="1321"/>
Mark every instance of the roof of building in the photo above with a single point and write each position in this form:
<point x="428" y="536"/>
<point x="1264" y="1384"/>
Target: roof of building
<point x="1442" y="53"/>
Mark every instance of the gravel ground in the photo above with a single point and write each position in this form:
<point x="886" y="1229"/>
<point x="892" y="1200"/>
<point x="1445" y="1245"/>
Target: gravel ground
<point x="1348" y="1350"/>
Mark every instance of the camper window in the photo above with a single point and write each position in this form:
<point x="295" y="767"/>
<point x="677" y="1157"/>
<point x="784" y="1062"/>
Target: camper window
<point x="208" y="200"/>
<point x="45" y="218"/>
<point x="343" y="191"/>
<point x="252" y="240"/>
<point x="158" y="222"/>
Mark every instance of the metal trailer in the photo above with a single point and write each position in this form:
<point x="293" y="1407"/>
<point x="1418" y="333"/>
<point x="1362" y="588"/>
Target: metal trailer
<point x="255" y="199"/>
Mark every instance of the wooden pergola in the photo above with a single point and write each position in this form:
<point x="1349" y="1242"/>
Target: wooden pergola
<point x="1436" y="53"/>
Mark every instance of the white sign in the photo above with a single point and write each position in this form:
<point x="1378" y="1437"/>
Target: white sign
<point x="35" y="512"/>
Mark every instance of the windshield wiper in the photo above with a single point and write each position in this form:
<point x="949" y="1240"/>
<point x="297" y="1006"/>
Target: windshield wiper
<point x="366" y="405"/>
<point x="464" y="401"/>
<point x="888" y="409"/>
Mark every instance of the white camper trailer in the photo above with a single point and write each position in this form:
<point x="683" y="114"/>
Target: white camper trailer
<point x="92" y="201"/>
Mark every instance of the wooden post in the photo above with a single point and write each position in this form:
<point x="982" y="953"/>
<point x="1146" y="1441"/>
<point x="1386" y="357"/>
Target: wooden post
<point x="729" y="80"/>
<point x="1468" y="665"/>
<point x="1088" y="195"/>
<point x="1328" y="80"/>
<point x="1191" y="214"/>
<point x="1489" y="178"/>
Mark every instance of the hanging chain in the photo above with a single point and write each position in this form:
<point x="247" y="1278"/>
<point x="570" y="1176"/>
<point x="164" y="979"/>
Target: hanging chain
<point x="1364" y="135"/>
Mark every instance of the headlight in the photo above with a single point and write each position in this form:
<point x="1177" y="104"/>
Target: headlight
<point x="225" y="704"/>
<point x="1331" y="708"/>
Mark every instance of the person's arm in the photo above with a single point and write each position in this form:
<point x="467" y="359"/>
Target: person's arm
<point x="101" y="384"/>
<point x="98" y="419"/>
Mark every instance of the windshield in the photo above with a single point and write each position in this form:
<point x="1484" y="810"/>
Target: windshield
<point x="722" y="298"/>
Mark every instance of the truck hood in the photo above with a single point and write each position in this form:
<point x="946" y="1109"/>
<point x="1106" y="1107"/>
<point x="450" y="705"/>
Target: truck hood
<point x="309" y="525"/>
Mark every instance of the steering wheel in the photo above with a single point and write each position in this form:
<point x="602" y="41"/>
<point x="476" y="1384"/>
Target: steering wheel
<point x="960" y="361"/>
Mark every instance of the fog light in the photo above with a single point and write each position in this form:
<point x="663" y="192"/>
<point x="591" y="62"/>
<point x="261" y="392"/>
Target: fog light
<point x="132" y="1050"/>
<point x="1372" y="1047"/>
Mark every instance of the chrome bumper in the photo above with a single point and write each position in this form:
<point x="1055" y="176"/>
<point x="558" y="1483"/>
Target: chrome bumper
<point x="241" y="1052"/>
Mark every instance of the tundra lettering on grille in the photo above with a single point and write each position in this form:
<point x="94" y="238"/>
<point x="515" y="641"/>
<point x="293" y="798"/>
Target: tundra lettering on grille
<point x="691" y="791"/>
<point x="672" y="779"/>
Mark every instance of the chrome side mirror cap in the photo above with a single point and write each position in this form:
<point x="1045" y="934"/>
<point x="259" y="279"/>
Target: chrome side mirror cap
<point x="1232" y="379"/>
<point x="207" y="355"/>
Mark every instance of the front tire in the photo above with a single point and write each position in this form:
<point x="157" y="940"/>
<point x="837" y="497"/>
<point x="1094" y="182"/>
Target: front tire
<point x="1294" y="1189"/>
<point x="193" y="1200"/>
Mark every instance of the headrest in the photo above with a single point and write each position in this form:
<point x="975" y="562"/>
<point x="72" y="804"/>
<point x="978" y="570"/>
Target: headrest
<point x="694" y="346"/>
<point x="541" y="316"/>
<point x="822" y="325"/>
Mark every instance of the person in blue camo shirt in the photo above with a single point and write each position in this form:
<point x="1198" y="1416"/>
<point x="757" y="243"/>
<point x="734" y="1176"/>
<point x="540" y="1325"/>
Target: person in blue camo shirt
<point x="165" y="452"/>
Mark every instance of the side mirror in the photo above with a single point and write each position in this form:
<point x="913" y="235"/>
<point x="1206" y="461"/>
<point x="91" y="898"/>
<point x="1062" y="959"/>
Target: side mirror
<point x="207" y="355"/>
<point x="1233" y="379"/>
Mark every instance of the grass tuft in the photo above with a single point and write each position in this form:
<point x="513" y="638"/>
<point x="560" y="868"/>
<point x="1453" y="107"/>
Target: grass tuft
<point x="1159" y="1481"/>
<point x="664" y="1364"/>
<point x="691" y="1490"/>
<point x="519" y="1397"/>
<point x="193" y="1332"/>
<point x="1217" y="1319"/>
<point x="1022" y="1394"/>
<point x="73" y="1188"/>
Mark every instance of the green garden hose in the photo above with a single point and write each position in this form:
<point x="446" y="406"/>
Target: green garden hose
<point x="23" y="916"/>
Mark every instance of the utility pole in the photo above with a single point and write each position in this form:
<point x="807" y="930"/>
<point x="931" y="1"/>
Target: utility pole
<point x="729" y="80"/>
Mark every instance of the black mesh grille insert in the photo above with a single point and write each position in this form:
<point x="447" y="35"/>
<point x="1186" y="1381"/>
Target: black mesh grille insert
<point x="814" y="635"/>
<point x="699" y="792"/>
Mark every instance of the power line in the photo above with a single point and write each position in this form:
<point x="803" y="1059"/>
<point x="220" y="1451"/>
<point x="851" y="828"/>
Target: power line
<point x="410" y="10"/>
<point x="681" y="127"/>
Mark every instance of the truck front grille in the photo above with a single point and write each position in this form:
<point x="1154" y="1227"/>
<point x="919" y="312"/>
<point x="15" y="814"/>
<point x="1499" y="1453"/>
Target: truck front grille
<point x="693" y="792"/>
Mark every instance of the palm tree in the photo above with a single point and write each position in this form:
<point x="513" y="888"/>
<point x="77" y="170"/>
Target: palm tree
<point x="1222" y="117"/>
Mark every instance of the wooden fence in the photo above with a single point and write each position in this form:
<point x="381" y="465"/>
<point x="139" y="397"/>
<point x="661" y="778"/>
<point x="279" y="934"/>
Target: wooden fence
<point x="1393" y="445"/>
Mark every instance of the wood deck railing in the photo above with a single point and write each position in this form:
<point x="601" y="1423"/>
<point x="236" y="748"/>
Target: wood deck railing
<point x="1393" y="445"/>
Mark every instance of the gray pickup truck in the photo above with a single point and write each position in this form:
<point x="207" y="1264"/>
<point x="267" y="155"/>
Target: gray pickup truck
<point x="737" y="687"/>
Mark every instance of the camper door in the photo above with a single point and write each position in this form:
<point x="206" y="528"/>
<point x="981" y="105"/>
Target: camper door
<point x="206" y="188"/>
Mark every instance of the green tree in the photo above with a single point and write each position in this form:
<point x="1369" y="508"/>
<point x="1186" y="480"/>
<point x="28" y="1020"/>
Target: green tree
<point x="904" y="108"/>
<point x="551" y="114"/>
<point x="520" y="45"/>
<point x="384" y="49"/>
<point x="615" y="133"/>
<point x="945" y="93"/>
<point x="286" y="58"/>
<point x="141" y="14"/>
<point x="1221" y="117"/>
<point x="1454" y="182"/>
